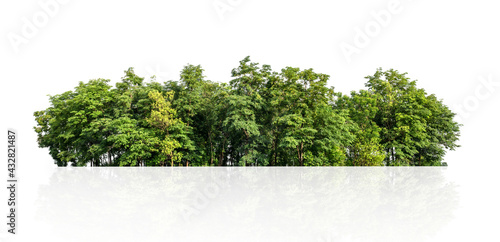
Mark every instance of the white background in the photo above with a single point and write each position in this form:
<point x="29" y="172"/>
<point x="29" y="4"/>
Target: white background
<point x="448" y="46"/>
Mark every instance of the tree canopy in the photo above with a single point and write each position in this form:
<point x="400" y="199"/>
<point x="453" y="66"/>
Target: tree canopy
<point x="261" y="118"/>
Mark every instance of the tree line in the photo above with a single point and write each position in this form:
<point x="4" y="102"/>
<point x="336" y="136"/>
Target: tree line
<point x="260" y="118"/>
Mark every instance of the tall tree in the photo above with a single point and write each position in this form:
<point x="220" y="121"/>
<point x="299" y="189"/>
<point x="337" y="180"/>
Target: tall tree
<point x="260" y="118"/>
<point x="408" y="120"/>
<point x="163" y="117"/>
<point x="366" y="149"/>
<point x="244" y="106"/>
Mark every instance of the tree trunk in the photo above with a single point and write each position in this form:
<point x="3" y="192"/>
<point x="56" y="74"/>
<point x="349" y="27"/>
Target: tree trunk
<point x="299" y="154"/>
<point x="211" y="149"/>
<point x="222" y="158"/>
<point x="393" y="158"/>
<point x="273" y="159"/>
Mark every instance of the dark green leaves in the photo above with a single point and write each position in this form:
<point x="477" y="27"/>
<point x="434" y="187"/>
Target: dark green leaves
<point x="261" y="118"/>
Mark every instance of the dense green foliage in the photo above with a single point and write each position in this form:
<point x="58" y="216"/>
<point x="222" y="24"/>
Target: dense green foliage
<point x="261" y="118"/>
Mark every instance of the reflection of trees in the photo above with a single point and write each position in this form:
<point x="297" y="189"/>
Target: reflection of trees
<point x="127" y="203"/>
<point x="261" y="204"/>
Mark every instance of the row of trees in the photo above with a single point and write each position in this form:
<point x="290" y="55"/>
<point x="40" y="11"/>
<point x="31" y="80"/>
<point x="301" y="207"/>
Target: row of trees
<point x="261" y="118"/>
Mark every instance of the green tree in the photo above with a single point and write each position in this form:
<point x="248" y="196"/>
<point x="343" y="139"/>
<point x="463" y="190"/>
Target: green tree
<point x="163" y="118"/>
<point x="415" y="127"/>
<point x="244" y="107"/>
<point x="366" y="149"/>
<point x="260" y="118"/>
